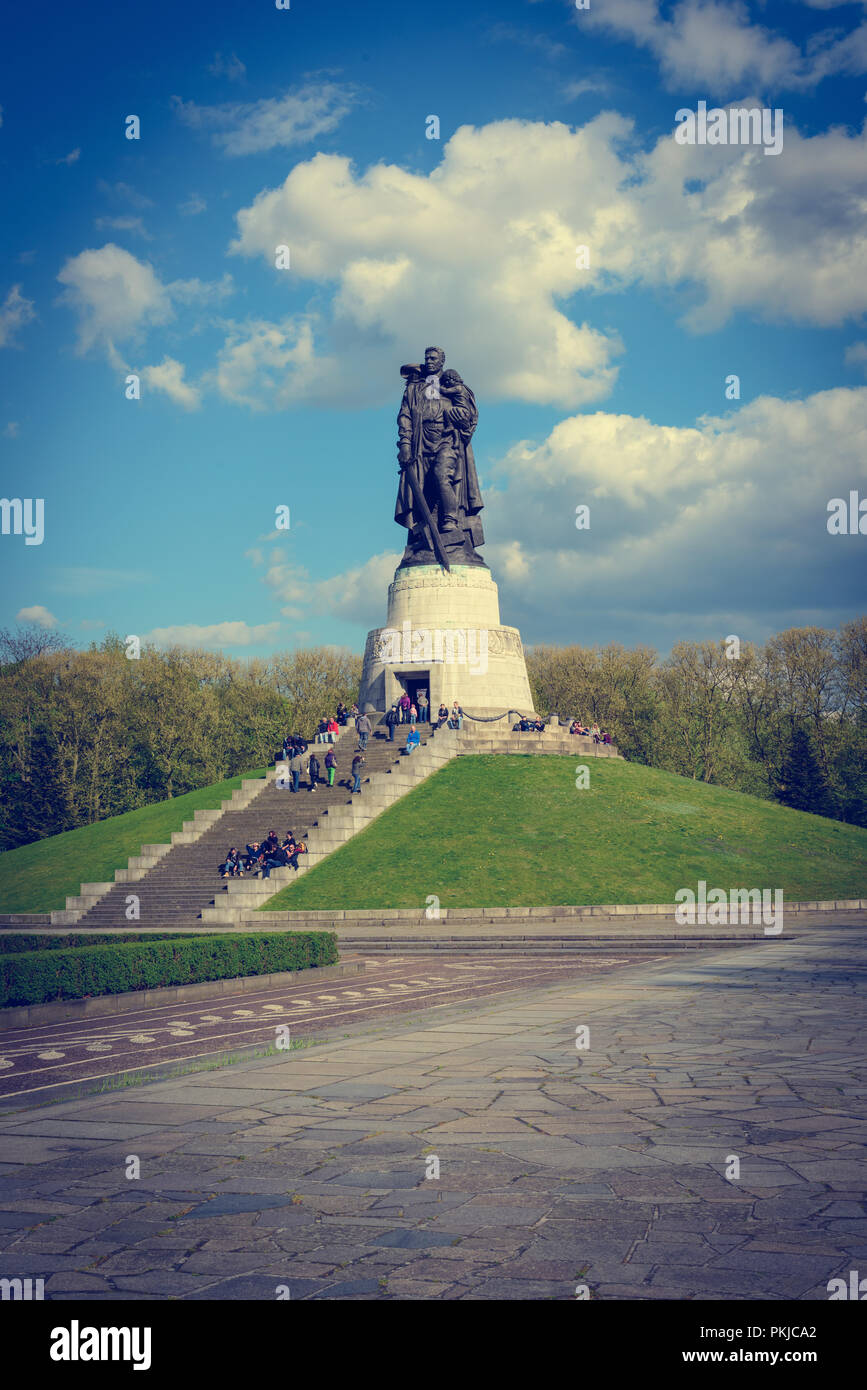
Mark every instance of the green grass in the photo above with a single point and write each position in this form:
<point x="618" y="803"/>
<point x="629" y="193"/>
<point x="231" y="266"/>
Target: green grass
<point x="39" y="877"/>
<point x="516" y="832"/>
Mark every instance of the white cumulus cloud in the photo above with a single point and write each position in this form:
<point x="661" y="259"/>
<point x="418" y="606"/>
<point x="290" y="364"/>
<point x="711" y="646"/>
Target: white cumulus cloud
<point x="717" y="44"/>
<point x="114" y="294"/>
<point x="36" y="614"/>
<point x="478" y="252"/>
<point x="695" y="531"/>
<point x="117" y="297"/>
<point x="357" y="595"/>
<point x="734" y="506"/>
<point x="481" y="252"/>
<point x="168" y="377"/>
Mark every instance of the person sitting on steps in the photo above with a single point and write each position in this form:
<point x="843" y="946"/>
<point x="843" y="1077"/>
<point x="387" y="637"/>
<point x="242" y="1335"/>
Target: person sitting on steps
<point x="231" y="866"/>
<point x="298" y="847"/>
<point x="277" y="859"/>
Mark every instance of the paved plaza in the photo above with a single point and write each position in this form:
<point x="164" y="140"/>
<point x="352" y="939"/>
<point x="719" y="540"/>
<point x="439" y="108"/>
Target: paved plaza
<point x="53" y="1061"/>
<point x="559" y="1166"/>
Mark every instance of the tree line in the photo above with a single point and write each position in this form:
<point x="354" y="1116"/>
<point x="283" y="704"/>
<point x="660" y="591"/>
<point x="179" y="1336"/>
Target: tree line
<point x="88" y="734"/>
<point x="785" y="720"/>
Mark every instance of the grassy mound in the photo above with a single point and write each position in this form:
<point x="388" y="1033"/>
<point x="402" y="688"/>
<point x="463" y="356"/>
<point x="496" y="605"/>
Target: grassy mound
<point x="39" y="877"/>
<point x="515" y="831"/>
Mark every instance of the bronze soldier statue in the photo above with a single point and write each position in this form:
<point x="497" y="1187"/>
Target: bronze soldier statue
<point x="438" y="499"/>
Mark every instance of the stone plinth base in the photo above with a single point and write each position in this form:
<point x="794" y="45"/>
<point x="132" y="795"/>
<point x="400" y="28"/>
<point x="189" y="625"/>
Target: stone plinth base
<point x="443" y="634"/>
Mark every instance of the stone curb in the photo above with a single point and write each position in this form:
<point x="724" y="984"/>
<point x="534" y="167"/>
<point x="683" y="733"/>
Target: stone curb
<point x="246" y="918"/>
<point x="106" y="1005"/>
<point x="493" y="914"/>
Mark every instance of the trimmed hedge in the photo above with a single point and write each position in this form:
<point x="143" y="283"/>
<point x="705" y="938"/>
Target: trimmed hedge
<point x="38" y="977"/>
<point x="13" y="942"/>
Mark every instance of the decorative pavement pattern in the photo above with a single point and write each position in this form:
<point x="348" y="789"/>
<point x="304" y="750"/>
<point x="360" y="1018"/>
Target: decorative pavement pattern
<point x="558" y="1167"/>
<point x="33" y="1060"/>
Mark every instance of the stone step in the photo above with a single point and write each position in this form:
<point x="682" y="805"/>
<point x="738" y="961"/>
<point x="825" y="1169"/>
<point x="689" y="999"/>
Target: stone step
<point x="327" y="844"/>
<point x="171" y="894"/>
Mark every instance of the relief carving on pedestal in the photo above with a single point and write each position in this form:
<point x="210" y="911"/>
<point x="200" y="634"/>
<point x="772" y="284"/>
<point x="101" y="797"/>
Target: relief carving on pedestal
<point x="450" y="645"/>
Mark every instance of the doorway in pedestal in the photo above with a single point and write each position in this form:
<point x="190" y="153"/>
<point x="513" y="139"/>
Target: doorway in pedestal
<point x="414" y="682"/>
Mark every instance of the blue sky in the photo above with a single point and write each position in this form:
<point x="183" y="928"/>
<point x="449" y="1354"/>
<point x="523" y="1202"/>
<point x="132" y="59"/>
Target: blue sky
<point x="602" y="386"/>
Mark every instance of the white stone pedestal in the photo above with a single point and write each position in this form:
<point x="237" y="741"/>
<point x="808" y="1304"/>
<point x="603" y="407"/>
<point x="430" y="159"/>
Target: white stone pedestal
<point x="443" y="633"/>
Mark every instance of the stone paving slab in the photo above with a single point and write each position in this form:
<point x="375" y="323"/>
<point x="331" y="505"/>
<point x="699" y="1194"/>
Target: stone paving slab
<point x="557" y="1166"/>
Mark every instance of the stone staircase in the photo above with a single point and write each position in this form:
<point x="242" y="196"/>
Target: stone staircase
<point x="106" y="904"/>
<point x="481" y="737"/>
<point x="177" y="885"/>
<point x="388" y="775"/>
